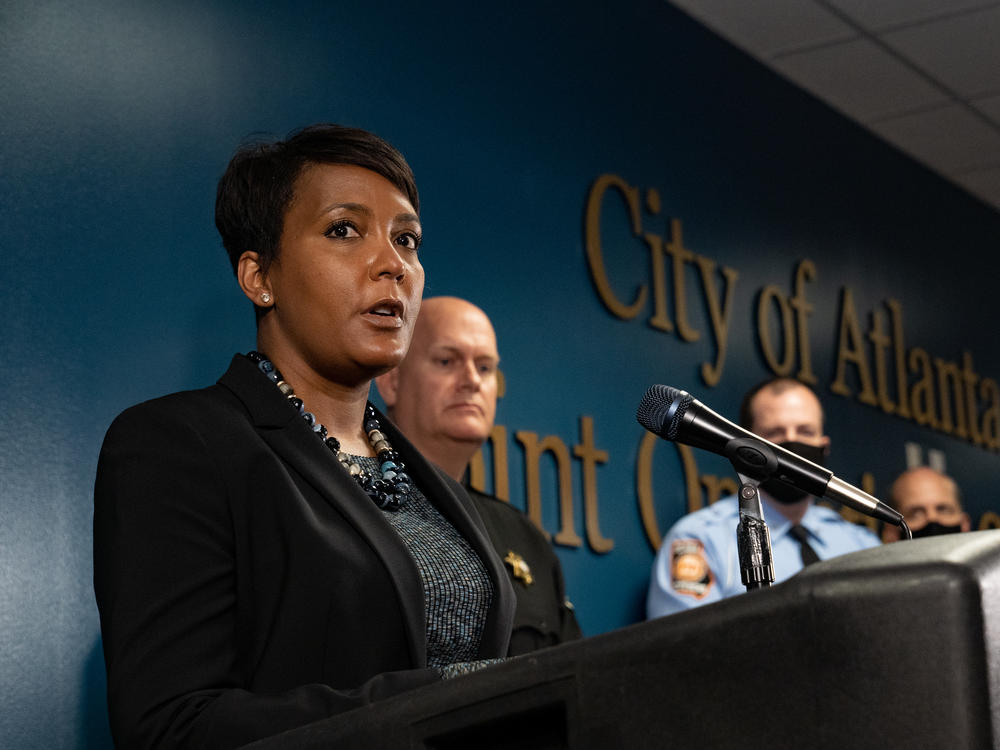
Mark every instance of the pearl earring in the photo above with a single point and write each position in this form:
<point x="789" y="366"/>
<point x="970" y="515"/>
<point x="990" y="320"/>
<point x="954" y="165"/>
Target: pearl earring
<point x="265" y="298"/>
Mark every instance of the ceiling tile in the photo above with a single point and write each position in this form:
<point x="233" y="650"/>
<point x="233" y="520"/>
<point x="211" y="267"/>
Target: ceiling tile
<point x="950" y="139"/>
<point x="961" y="51"/>
<point x="769" y="28"/>
<point x="990" y="107"/>
<point x="985" y="184"/>
<point x="860" y="79"/>
<point x="951" y="46"/>
<point x="882" y="14"/>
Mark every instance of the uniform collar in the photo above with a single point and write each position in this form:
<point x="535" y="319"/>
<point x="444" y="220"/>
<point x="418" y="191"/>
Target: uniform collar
<point x="779" y="525"/>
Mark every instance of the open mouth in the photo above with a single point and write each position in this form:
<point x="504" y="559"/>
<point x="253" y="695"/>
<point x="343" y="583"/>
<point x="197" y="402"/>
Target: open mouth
<point x="387" y="309"/>
<point x="386" y="314"/>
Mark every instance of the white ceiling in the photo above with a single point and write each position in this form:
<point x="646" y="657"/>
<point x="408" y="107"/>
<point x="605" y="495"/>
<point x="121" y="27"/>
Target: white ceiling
<point x="922" y="74"/>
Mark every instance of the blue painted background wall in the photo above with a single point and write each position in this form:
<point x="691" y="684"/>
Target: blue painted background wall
<point x="117" y="119"/>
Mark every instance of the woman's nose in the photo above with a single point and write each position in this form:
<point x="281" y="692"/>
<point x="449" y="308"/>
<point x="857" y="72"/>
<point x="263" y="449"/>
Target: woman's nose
<point x="388" y="262"/>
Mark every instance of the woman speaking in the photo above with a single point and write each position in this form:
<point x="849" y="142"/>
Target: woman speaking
<point x="270" y="551"/>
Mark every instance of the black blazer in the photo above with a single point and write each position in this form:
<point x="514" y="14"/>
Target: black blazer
<point x="246" y="584"/>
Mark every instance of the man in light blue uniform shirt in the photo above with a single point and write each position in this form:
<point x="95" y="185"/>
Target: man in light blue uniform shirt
<point x="698" y="561"/>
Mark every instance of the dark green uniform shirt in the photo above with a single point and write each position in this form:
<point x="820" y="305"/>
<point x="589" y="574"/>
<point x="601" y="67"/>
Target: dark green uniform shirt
<point x="543" y="616"/>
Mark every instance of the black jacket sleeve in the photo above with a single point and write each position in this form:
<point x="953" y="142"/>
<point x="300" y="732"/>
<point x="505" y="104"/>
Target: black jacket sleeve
<point x="203" y="585"/>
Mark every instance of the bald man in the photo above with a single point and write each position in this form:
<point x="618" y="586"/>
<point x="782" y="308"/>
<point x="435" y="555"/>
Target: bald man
<point x="443" y="396"/>
<point x="930" y="503"/>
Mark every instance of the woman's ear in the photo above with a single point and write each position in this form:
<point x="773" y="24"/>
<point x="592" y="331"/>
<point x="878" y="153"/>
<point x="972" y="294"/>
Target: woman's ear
<point x="252" y="280"/>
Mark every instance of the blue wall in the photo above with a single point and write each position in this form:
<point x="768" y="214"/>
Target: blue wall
<point x="117" y="119"/>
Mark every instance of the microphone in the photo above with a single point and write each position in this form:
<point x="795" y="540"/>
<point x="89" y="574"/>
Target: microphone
<point x="677" y="416"/>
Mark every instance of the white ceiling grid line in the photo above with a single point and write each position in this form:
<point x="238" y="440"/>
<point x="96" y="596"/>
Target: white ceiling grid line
<point x="922" y="74"/>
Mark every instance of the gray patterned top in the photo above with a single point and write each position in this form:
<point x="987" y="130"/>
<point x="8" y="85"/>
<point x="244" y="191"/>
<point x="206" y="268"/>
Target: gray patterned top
<point x="457" y="589"/>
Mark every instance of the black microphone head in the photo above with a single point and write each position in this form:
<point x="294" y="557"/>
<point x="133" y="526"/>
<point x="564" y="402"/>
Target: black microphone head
<point x="662" y="409"/>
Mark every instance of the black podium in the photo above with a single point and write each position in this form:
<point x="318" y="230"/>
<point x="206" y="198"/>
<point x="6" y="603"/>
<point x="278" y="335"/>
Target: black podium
<point x="894" y="647"/>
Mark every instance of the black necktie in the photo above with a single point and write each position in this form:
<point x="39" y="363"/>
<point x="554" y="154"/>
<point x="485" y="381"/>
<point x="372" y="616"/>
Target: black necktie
<point x="800" y="535"/>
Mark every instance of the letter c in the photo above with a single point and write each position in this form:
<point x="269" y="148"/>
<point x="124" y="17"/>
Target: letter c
<point x="592" y="237"/>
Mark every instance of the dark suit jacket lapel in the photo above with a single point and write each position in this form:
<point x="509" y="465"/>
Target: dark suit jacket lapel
<point x="450" y="499"/>
<point x="291" y="438"/>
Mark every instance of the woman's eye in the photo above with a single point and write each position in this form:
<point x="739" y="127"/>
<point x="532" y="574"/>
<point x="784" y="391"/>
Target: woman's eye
<point x="342" y="229"/>
<point x="409" y="239"/>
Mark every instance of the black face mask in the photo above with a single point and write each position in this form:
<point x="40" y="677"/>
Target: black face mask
<point x="787" y="494"/>
<point x="933" y="528"/>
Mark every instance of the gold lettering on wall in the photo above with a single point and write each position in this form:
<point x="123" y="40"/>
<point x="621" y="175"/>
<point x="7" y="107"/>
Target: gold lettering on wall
<point x="971" y="379"/>
<point x="595" y="256"/>
<point x="899" y="350"/>
<point x="719" y="315"/>
<point x="590" y="456"/>
<point x="989" y="520"/>
<point x="943" y="399"/>
<point x="477" y="465"/>
<point x="990" y="432"/>
<point x="644" y="489"/>
<point x="783" y="365"/>
<point x="586" y="450"/>
<point x="948" y="373"/>
<point x="692" y="485"/>
<point x="851" y="350"/>
<point x="681" y="256"/>
<point x="665" y="317"/>
<point x="943" y="393"/>
<point x="873" y="367"/>
<point x="922" y="395"/>
<point x="533" y="451"/>
<point x="693" y="482"/>
<point x="880" y="342"/>
<point x="660" y="319"/>
<point x="794" y="315"/>
<point x="806" y="271"/>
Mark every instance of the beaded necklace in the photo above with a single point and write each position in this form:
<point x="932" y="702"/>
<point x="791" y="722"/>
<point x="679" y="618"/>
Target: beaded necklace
<point x="388" y="488"/>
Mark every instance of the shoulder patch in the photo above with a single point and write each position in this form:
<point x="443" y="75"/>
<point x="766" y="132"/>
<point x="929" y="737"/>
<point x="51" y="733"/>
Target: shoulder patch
<point x="689" y="571"/>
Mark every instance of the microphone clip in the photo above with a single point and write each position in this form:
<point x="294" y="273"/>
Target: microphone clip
<point x="751" y="457"/>
<point x="753" y="539"/>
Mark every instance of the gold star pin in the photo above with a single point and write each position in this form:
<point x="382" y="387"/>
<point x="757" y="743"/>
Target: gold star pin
<point x="519" y="568"/>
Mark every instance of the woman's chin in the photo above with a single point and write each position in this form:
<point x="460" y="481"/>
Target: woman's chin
<point x="379" y="363"/>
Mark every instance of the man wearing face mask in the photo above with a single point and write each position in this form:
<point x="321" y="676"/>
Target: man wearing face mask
<point x="698" y="561"/>
<point x="929" y="501"/>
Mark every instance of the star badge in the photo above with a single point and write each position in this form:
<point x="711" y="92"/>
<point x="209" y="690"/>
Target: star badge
<point x="519" y="568"/>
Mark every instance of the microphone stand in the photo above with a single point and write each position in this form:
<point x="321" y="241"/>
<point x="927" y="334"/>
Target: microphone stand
<point x="753" y="540"/>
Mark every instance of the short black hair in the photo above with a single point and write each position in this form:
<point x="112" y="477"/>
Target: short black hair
<point x="778" y="384"/>
<point x="254" y="192"/>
